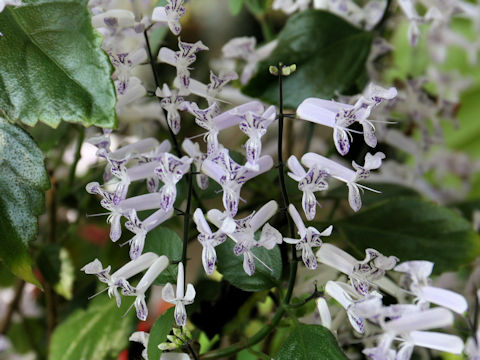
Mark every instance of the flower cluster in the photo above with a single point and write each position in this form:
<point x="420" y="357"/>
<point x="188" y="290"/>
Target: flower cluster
<point x="162" y="167"/>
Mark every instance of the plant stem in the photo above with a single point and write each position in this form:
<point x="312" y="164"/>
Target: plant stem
<point x="157" y="85"/>
<point x="264" y="331"/>
<point x="186" y="221"/>
<point x="7" y="320"/>
<point x="73" y="168"/>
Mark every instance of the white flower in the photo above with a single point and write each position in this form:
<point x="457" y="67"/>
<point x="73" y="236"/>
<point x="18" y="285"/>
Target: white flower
<point x="118" y="207"/>
<point x="171" y="102"/>
<point x="181" y="298"/>
<point x="244" y="48"/>
<point x="4" y="3"/>
<point x="308" y="182"/>
<point x="217" y="83"/>
<point x="340" y="116"/>
<point x="119" y="277"/>
<point x="209" y="241"/>
<point x="338" y="291"/>
<point x="347" y="175"/>
<point x="211" y="120"/>
<point x="145" y="282"/>
<point x="193" y="150"/>
<point x="418" y="273"/>
<point x="170" y="170"/>
<point x="142" y="338"/>
<point x="141" y="228"/>
<point x="124" y="63"/>
<point x="255" y="126"/>
<point x="182" y="60"/>
<point x="231" y="176"/>
<point x="244" y="233"/>
<point x="309" y="238"/>
<point x="170" y="14"/>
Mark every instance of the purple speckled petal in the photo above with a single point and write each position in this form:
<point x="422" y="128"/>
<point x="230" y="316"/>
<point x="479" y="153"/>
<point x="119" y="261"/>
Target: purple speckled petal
<point x="141" y="308"/>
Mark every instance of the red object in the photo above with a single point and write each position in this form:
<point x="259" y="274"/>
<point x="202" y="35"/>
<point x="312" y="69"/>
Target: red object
<point x="94" y="234"/>
<point x="123" y="355"/>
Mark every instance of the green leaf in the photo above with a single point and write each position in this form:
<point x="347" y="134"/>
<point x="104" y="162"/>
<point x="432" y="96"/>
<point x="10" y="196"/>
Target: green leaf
<point x="413" y="229"/>
<point x="53" y="67"/>
<point x="64" y="285"/>
<point x="231" y="267"/>
<point x="310" y="342"/>
<point x="159" y="333"/>
<point x="163" y="241"/>
<point x="23" y="181"/>
<point x="97" y="333"/>
<point x="235" y="6"/>
<point x="329" y="53"/>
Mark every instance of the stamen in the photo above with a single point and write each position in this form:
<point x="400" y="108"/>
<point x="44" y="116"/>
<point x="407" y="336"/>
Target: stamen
<point x="100" y="214"/>
<point x="128" y="310"/>
<point x="261" y="262"/>
<point x="98" y="293"/>
<point x="367" y="188"/>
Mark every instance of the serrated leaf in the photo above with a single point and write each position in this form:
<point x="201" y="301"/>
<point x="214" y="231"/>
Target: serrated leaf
<point x="163" y="241"/>
<point x="23" y="181"/>
<point x="329" y="53"/>
<point x="231" y="267"/>
<point x="413" y="229"/>
<point x="310" y="342"/>
<point x="159" y="333"/>
<point x="53" y="67"/>
<point x="97" y="333"/>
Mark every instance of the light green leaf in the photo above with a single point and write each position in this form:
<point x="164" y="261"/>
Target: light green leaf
<point x="23" y="181"/>
<point x="97" y="333"/>
<point x="235" y="6"/>
<point x="310" y="342"/>
<point x="159" y="333"/>
<point x="164" y="241"/>
<point x="413" y="229"/>
<point x="53" y="67"/>
<point x="329" y="53"/>
<point x="64" y="286"/>
<point x="231" y="267"/>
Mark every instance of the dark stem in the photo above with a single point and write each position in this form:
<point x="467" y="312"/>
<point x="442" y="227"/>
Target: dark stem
<point x="315" y="295"/>
<point x="186" y="221"/>
<point x="7" y="320"/>
<point x="191" y="351"/>
<point x="379" y="26"/>
<point x="264" y="331"/>
<point x="281" y="165"/>
<point x="73" y="168"/>
<point x="157" y="85"/>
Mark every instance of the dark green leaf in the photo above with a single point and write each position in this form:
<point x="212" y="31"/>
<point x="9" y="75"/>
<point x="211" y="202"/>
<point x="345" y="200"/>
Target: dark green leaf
<point x="97" y="333"/>
<point x="159" y="333"/>
<point x="23" y="181"/>
<point x="330" y="55"/>
<point x="53" y="67"/>
<point x="49" y="263"/>
<point x="467" y="208"/>
<point x="231" y="266"/>
<point x="369" y="198"/>
<point x="163" y="241"/>
<point x="310" y="342"/>
<point x="413" y="229"/>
